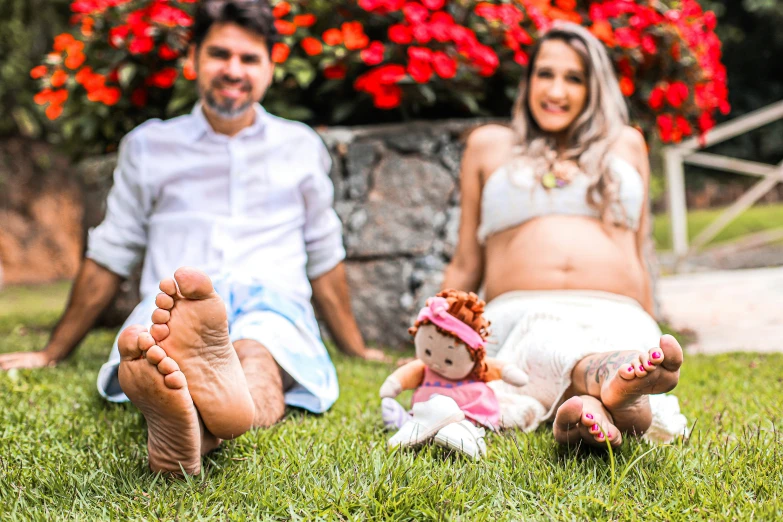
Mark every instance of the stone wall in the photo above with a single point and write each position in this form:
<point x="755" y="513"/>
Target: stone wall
<point x="396" y="192"/>
<point x="40" y="213"/>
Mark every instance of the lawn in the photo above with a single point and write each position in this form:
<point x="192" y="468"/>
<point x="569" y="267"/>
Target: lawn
<point x="756" y="219"/>
<point x="66" y="454"/>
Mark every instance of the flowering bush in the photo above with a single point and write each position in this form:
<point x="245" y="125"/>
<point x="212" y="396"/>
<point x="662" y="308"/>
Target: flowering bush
<point x="123" y="61"/>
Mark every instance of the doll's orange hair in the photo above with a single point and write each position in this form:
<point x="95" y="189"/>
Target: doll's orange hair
<point x="468" y="308"/>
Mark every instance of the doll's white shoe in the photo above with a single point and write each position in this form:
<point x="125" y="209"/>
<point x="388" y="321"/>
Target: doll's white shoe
<point x="428" y="419"/>
<point x="464" y="437"/>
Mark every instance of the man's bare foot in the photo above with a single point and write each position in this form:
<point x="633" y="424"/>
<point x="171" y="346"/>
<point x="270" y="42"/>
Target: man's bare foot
<point x="154" y="384"/>
<point x="585" y="419"/>
<point x="190" y="325"/>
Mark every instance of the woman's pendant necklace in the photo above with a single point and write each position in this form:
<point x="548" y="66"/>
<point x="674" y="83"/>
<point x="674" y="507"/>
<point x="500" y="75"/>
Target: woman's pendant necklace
<point x="560" y="175"/>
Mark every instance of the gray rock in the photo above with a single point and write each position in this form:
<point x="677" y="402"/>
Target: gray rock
<point x="360" y="160"/>
<point x="378" y="295"/>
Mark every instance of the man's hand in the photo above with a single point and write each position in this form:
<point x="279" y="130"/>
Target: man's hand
<point x="24" y="360"/>
<point x="371" y="354"/>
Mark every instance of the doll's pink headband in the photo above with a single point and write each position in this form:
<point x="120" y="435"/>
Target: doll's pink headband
<point x="437" y="313"/>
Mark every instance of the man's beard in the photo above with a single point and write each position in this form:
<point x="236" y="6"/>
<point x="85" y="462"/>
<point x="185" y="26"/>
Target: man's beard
<point x="226" y="110"/>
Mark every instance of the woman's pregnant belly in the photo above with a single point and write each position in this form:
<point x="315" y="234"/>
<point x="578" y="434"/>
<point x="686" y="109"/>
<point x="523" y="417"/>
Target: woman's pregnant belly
<point x="564" y="253"/>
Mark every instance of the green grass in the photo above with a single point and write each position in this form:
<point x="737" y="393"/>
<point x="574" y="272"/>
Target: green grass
<point x="67" y="454"/>
<point x="755" y="219"/>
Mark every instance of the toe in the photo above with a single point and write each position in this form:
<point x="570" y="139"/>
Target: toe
<point x="161" y="316"/>
<point x="193" y="284"/>
<point x="168" y="286"/>
<point x="128" y="342"/>
<point x="639" y="368"/>
<point x="155" y="355"/>
<point x="672" y="353"/>
<point x="159" y="331"/>
<point x="569" y="413"/>
<point x="164" y="301"/>
<point x="175" y="380"/>
<point x="628" y="372"/>
<point x="145" y="341"/>
<point x="168" y="366"/>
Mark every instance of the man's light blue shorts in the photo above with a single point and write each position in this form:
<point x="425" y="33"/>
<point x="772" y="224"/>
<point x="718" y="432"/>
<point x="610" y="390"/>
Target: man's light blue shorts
<point x="287" y="328"/>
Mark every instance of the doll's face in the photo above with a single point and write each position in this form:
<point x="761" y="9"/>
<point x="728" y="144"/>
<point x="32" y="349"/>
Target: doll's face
<point x="443" y="354"/>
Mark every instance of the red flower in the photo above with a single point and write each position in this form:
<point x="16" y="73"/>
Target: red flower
<point x="354" y="37"/>
<point x="676" y="94"/>
<point x="706" y="122"/>
<point x="684" y="126"/>
<point x="312" y="46"/>
<point x="655" y="101"/>
<point x="627" y="37"/>
<point x="169" y="16"/>
<point x="444" y="65"/>
<point x="163" y="79"/>
<point x="419" y="53"/>
<point x="285" y="28"/>
<point x="648" y="44"/>
<point x="566" y="5"/>
<point x="603" y="31"/>
<point x="335" y="72"/>
<point x="280" y="52"/>
<point x="522" y="58"/>
<point x="304" y="20"/>
<point x="38" y="72"/>
<point x="141" y="45"/>
<point x="433" y="5"/>
<point x="415" y="13"/>
<point x="281" y="9"/>
<point x="665" y="126"/>
<point x="420" y="70"/>
<point x="53" y="111"/>
<point x="167" y="53"/>
<point x="400" y="34"/>
<point x="332" y="37"/>
<point x="74" y="61"/>
<point x="388" y="97"/>
<point x="139" y="97"/>
<point x="63" y="41"/>
<point x="421" y="33"/>
<point x="373" y="55"/>
<point x="118" y="35"/>
<point x="627" y="86"/>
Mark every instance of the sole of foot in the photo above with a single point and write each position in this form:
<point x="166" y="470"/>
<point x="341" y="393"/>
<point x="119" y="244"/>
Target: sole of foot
<point x="156" y="386"/>
<point x="585" y="420"/>
<point x="625" y="394"/>
<point x="191" y="326"/>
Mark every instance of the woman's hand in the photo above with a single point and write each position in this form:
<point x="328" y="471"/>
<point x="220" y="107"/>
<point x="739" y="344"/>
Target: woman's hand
<point x="26" y="360"/>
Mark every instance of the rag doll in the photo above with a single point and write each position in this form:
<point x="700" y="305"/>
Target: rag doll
<point x="451" y="401"/>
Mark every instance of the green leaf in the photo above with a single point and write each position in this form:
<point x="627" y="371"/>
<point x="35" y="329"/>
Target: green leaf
<point x="301" y="70"/>
<point x="27" y="124"/>
<point x="343" y="110"/>
<point x="127" y="73"/>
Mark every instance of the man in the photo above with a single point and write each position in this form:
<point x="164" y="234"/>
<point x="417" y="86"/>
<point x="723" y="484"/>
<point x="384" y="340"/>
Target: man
<point x="245" y="198"/>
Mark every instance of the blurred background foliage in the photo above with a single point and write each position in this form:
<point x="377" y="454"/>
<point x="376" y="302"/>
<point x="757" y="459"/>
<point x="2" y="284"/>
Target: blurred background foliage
<point x="749" y="29"/>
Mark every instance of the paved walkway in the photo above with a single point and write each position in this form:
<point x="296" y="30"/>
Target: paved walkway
<point x="731" y="310"/>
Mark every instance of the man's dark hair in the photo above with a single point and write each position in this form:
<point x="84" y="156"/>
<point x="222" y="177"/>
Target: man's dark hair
<point x="253" y="15"/>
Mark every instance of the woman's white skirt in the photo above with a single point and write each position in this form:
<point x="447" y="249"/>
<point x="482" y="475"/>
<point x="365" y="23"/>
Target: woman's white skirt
<point x="546" y="333"/>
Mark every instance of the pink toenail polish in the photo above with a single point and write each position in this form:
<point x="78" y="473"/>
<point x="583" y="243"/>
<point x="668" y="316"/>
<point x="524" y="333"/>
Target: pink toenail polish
<point x="589" y="416"/>
<point x="641" y="368"/>
<point x="656" y="355"/>
<point x="595" y="427"/>
<point x="630" y="368"/>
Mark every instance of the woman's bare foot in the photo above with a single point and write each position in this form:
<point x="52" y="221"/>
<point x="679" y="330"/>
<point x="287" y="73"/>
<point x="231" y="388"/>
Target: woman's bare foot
<point x="585" y="419"/>
<point x="154" y="384"/>
<point x="190" y="324"/>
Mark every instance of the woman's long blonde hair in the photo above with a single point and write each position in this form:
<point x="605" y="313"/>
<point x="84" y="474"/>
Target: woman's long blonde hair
<point x="591" y="135"/>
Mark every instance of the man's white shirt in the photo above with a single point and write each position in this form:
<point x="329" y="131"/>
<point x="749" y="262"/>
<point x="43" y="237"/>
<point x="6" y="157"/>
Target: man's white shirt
<point x="256" y="206"/>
